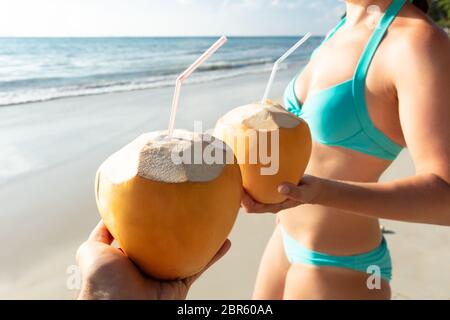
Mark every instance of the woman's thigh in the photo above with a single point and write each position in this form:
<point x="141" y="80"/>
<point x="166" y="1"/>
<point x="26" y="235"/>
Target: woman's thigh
<point x="305" y="282"/>
<point x="270" y="281"/>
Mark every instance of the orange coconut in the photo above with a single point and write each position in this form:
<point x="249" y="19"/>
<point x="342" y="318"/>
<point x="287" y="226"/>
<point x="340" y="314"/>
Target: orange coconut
<point x="170" y="218"/>
<point x="287" y="139"/>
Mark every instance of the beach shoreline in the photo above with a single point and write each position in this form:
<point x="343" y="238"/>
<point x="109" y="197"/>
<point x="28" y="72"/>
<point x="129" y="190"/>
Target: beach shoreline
<point x="52" y="150"/>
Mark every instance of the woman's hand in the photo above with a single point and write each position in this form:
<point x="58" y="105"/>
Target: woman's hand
<point x="107" y="273"/>
<point x="306" y="192"/>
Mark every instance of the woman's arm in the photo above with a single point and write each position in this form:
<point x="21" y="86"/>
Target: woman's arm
<point x="422" y="80"/>
<point x="424" y="198"/>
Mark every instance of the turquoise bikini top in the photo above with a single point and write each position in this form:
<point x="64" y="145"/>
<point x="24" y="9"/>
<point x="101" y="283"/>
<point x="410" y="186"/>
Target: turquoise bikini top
<point x="338" y="116"/>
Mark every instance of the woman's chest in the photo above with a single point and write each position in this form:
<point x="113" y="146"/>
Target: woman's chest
<point x="325" y="89"/>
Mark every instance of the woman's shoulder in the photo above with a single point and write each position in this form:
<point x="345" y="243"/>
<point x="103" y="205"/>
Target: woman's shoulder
<point x="415" y="47"/>
<point x="415" y="32"/>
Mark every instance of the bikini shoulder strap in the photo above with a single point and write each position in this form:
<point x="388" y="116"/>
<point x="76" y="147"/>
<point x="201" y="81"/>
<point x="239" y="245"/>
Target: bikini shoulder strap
<point x="359" y="81"/>
<point x="335" y="29"/>
<point x="377" y="37"/>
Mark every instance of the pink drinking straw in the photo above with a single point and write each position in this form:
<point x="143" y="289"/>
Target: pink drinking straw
<point x="176" y="97"/>
<point x="277" y="63"/>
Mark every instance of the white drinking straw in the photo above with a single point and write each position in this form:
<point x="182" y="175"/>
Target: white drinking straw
<point x="185" y="75"/>
<point x="277" y="63"/>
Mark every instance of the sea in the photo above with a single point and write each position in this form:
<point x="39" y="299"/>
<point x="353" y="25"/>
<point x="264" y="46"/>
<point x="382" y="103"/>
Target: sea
<point x="41" y="69"/>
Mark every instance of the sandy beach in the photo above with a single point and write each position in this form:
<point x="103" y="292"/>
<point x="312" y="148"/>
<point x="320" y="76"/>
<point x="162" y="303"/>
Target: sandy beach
<point x="48" y="207"/>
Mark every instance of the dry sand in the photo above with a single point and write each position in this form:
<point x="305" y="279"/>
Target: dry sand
<point x="47" y="213"/>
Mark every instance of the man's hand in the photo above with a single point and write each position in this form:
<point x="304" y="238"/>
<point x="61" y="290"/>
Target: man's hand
<point x="107" y="273"/>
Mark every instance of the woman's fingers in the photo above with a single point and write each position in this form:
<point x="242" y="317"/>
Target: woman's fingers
<point x="246" y="201"/>
<point x="250" y="205"/>
<point x="291" y="191"/>
<point x="275" y="208"/>
<point x="307" y="191"/>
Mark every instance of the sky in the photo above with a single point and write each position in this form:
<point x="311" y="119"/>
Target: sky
<point x="167" y="17"/>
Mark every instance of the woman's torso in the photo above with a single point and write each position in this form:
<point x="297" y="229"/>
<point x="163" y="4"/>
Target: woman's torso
<point x="326" y="229"/>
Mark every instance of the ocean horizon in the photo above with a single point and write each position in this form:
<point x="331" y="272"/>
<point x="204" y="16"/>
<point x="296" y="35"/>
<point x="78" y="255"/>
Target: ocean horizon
<point x="34" y="69"/>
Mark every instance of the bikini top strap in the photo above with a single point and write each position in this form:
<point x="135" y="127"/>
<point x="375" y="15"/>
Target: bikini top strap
<point x="376" y="38"/>
<point x="335" y="29"/>
<point x="359" y="81"/>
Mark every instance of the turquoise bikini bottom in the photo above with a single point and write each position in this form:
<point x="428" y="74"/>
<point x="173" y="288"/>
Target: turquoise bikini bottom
<point x="373" y="262"/>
